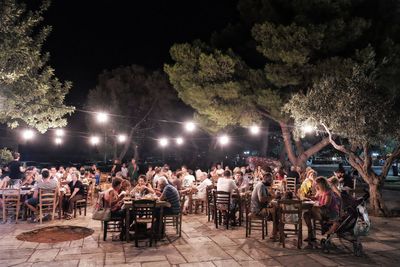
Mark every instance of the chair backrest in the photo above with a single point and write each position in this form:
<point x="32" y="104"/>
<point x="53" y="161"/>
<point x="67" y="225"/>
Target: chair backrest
<point x="222" y="197"/>
<point x="85" y="191"/>
<point x="11" y="197"/>
<point x="291" y="184"/>
<point x="47" y="198"/>
<point x="143" y="208"/>
<point x="290" y="207"/>
<point x="209" y="194"/>
<point x="276" y="184"/>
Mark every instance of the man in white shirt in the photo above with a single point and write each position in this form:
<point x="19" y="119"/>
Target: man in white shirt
<point x="227" y="184"/>
<point x="188" y="179"/>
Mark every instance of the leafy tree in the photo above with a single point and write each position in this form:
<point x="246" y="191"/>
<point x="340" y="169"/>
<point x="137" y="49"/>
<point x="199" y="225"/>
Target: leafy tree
<point x="137" y="99"/>
<point x="30" y="92"/>
<point x="361" y="110"/>
<point x="5" y="156"/>
<point x="297" y="43"/>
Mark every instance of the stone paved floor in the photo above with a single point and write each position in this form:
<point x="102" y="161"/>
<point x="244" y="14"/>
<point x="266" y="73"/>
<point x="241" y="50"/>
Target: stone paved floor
<point x="200" y="245"/>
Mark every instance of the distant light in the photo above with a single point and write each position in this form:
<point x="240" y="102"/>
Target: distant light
<point x="94" y="140"/>
<point x="223" y="139"/>
<point x="254" y="129"/>
<point x="163" y="142"/>
<point x="307" y="128"/>
<point x="122" y="138"/>
<point x="58" y="141"/>
<point x="375" y="154"/>
<point x="102" y="117"/>
<point x="246" y="152"/>
<point x="60" y="132"/>
<point x="179" y="141"/>
<point x="28" y="134"/>
<point x="190" y="126"/>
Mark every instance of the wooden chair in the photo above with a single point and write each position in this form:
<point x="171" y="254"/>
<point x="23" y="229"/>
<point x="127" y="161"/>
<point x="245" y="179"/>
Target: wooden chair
<point x="277" y="184"/>
<point x="47" y="203"/>
<point x="11" y="203"/>
<point x="291" y="184"/>
<point x="83" y="202"/>
<point x="114" y="225"/>
<point x="144" y="214"/>
<point x="175" y="220"/>
<point x="290" y="213"/>
<point x="210" y="202"/>
<point x="222" y="201"/>
<point x="253" y="221"/>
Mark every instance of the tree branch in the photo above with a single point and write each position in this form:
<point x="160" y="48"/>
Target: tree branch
<point x="288" y="143"/>
<point x="315" y="148"/>
<point x="341" y="148"/>
<point x="388" y="162"/>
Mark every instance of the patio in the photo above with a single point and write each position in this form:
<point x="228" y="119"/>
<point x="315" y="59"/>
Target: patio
<point x="201" y="245"/>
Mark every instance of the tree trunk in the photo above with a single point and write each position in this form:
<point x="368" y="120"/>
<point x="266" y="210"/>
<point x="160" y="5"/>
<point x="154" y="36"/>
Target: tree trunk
<point x="265" y="140"/>
<point x="377" y="205"/>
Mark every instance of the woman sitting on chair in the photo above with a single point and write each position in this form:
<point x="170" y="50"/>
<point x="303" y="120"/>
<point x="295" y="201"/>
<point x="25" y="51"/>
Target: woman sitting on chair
<point x="75" y="188"/>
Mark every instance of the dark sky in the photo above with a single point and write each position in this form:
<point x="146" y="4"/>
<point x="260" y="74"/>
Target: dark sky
<point x="89" y="36"/>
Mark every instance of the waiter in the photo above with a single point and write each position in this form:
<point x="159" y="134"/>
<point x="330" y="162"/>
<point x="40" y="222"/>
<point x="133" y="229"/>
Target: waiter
<point x="16" y="171"/>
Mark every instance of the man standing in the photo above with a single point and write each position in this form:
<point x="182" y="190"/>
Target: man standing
<point x="133" y="172"/>
<point x="16" y="170"/>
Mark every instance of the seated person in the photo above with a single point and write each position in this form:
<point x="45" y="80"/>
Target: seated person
<point x="169" y="194"/>
<point x="227" y="184"/>
<point x="345" y="180"/>
<point x="142" y="188"/>
<point x="75" y="188"/>
<point x="29" y="178"/>
<point x="241" y="182"/>
<point x="46" y="183"/>
<point x="200" y="192"/>
<point x="113" y="200"/>
<point x="327" y="208"/>
<point x="306" y="188"/>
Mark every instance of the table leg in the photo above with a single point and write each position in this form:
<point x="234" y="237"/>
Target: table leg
<point x="161" y="225"/>
<point x="127" y="224"/>
<point x="60" y="200"/>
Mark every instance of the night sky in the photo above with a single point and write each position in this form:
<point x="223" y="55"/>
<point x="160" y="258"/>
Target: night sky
<point x="90" y="36"/>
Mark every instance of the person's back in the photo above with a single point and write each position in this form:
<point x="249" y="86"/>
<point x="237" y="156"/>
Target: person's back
<point x="172" y="196"/>
<point x="226" y="184"/>
<point x="260" y="191"/>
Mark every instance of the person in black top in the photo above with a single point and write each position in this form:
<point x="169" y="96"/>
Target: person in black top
<point x="76" y="189"/>
<point x="345" y="179"/>
<point x="116" y="168"/>
<point x="294" y="174"/>
<point x="15" y="169"/>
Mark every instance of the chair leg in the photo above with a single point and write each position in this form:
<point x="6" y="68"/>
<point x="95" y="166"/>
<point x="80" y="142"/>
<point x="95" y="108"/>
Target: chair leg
<point x="105" y="230"/>
<point x="282" y="233"/>
<point x="4" y="213"/>
<point x="250" y="226"/>
<point x="263" y="228"/>
<point x="85" y="209"/>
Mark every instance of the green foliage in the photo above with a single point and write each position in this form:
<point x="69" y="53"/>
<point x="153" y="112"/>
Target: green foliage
<point x="5" y="156"/>
<point x="30" y="92"/>
<point x="352" y="105"/>
<point x="301" y="43"/>
<point x="219" y="86"/>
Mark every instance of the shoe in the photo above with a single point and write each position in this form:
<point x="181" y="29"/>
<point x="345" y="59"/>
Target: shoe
<point x="308" y="239"/>
<point x="46" y="217"/>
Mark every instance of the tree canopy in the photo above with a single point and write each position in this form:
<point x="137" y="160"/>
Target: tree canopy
<point x="29" y="90"/>
<point x="137" y="99"/>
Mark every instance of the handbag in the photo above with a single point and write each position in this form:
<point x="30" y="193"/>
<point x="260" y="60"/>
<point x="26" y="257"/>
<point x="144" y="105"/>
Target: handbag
<point x="100" y="213"/>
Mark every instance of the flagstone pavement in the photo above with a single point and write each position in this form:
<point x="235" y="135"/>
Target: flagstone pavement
<point x="201" y="245"/>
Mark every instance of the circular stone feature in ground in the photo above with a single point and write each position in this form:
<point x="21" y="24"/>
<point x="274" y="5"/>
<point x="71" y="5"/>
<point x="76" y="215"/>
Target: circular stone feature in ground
<point x="55" y="234"/>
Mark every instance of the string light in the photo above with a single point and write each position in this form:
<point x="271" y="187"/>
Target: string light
<point x="254" y="129"/>
<point x="59" y="132"/>
<point x="307" y="128"/>
<point x="122" y="138"/>
<point x="58" y="141"/>
<point x="164" y="142"/>
<point x="102" y="117"/>
<point x="223" y="139"/>
<point x="94" y="140"/>
<point x="190" y="126"/>
<point x="179" y="141"/>
<point x="28" y="134"/>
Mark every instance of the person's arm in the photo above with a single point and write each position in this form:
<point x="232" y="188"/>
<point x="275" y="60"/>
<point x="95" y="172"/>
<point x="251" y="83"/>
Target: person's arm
<point x="150" y="188"/>
<point x="76" y="190"/>
<point x="162" y="197"/>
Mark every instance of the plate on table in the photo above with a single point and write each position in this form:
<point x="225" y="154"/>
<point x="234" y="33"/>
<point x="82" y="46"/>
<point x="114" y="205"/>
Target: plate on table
<point x="309" y="202"/>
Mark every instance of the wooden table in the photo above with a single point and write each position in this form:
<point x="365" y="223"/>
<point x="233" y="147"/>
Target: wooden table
<point x="128" y="207"/>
